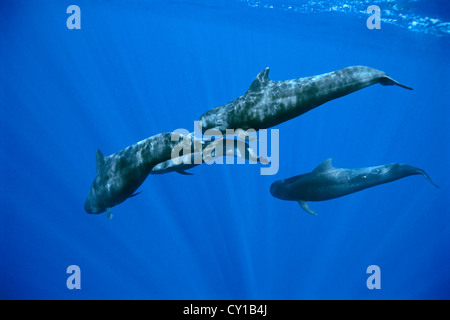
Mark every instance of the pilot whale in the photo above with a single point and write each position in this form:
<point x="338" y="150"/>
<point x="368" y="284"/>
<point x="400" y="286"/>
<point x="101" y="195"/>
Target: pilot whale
<point x="120" y="174"/>
<point x="213" y="150"/>
<point x="326" y="182"/>
<point x="268" y="103"/>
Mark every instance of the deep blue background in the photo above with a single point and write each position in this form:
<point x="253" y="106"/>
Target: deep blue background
<point x="136" y="69"/>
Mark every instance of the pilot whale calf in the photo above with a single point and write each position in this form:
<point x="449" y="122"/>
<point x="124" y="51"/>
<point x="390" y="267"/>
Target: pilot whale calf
<point x="268" y="103"/>
<point x="326" y="182"/>
<point x="211" y="151"/>
<point x="120" y="174"/>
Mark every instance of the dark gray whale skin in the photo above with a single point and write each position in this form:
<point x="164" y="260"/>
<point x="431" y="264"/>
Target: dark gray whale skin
<point x="268" y="103"/>
<point x="120" y="174"/>
<point x="326" y="182"/>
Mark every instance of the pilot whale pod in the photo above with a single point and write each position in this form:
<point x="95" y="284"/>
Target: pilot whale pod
<point x="268" y="103"/>
<point x="120" y="174"/>
<point x="326" y="182"/>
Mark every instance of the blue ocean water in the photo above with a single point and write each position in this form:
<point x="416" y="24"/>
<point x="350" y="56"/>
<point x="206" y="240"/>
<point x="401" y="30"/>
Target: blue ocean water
<point x="138" y="68"/>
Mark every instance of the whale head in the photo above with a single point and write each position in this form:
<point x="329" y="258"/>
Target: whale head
<point x="277" y="190"/>
<point x="94" y="204"/>
<point x="108" y="188"/>
<point x="91" y="207"/>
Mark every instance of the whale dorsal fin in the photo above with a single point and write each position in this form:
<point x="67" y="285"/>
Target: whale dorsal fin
<point x="260" y="81"/>
<point x="99" y="157"/>
<point x="324" y="166"/>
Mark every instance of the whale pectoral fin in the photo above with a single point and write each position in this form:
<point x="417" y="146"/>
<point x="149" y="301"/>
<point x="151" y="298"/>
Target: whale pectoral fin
<point x="263" y="160"/>
<point x="388" y="81"/>
<point x="108" y="213"/>
<point x="305" y="206"/>
<point x="184" y="173"/>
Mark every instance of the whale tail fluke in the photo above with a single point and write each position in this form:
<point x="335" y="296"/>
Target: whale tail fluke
<point x="422" y="172"/>
<point x="388" y="81"/>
